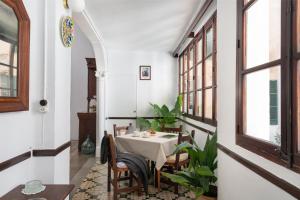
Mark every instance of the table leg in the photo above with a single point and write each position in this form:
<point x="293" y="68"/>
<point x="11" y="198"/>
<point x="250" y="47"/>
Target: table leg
<point x="158" y="179"/>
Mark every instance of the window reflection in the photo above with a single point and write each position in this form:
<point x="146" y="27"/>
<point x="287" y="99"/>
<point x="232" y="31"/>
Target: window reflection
<point x="8" y="51"/>
<point x="263" y="105"/>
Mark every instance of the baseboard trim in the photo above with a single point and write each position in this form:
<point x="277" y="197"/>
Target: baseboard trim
<point x="15" y="160"/>
<point x="50" y="152"/>
<point x="284" y="185"/>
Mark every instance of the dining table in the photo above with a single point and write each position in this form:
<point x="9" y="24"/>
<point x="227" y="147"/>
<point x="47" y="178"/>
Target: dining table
<point x="155" y="147"/>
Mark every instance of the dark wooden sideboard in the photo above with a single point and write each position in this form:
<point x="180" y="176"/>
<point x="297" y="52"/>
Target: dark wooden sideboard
<point x="52" y="192"/>
<point x="87" y="126"/>
<point x="87" y="121"/>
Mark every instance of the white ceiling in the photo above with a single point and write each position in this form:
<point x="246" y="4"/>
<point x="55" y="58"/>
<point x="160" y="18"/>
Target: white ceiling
<point x="147" y="25"/>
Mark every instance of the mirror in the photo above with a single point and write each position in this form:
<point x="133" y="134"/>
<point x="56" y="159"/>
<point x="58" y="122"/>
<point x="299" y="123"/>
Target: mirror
<point x="8" y="51"/>
<point x="14" y="56"/>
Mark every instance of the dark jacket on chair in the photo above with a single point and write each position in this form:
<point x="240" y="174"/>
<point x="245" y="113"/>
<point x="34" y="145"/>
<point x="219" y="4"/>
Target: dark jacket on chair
<point x="135" y="163"/>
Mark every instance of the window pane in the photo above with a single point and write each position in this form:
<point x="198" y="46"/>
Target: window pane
<point x="185" y="62"/>
<point x="199" y="50"/>
<point x="191" y="58"/>
<point x="208" y="110"/>
<point x="298" y="25"/>
<point x="298" y="102"/>
<point x="208" y="72"/>
<point x="181" y="84"/>
<point x="4" y="77"/>
<point x="185" y="104"/>
<point x="191" y="79"/>
<point x="262" y="104"/>
<point x="209" y="41"/>
<point x="15" y="61"/>
<point x="185" y="83"/>
<point x="5" y="52"/>
<point x="8" y="81"/>
<point x="199" y="104"/>
<point x="181" y="65"/>
<point x="191" y="103"/>
<point x="199" y="76"/>
<point x="263" y="32"/>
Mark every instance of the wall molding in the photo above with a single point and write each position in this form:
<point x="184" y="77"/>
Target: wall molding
<point x="182" y="120"/>
<point x="197" y="127"/>
<point x="128" y="118"/>
<point x="50" y="152"/>
<point x="15" y="160"/>
<point x="284" y="185"/>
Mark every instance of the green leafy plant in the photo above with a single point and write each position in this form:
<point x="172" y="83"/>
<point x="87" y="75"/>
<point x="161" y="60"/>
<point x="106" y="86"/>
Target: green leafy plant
<point x="199" y="177"/>
<point x="164" y="116"/>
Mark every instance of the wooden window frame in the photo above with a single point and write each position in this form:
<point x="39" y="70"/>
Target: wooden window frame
<point x="21" y="101"/>
<point x="295" y="86"/>
<point x="211" y="23"/>
<point x="284" y="154"/>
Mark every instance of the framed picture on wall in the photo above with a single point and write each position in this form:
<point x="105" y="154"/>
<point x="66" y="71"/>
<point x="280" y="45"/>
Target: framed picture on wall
<point x="145" y="72"/>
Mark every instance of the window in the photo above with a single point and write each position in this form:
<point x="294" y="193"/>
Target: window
<point x="8" y="69"/>
<point x="268" y="82"/>
<point x="14" y="56"/>
<point x="296" y="82"/>
<point x="199" y="98"/>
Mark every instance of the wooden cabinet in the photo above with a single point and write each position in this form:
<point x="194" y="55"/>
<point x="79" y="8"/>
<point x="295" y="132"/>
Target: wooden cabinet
<point x="87" y="126"/>
<point x="92" y="80"/>
<point x="87" y="121"/>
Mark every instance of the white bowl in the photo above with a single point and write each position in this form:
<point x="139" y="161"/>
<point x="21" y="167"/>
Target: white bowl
<point x="33" y="187"/>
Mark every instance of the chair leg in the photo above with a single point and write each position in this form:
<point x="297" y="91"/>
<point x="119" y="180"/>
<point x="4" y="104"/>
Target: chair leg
<point x="176" y="189"/>
<point x="130" y="179"/>
<point x="139" y="187"/>
<point x="108" y="178"/>
<point x="116" y="186"/>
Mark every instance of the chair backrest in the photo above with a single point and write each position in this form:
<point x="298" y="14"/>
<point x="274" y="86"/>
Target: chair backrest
<point x="181" y="139"/>
<point x="112" y="151"/>
<point x="120" y="130"/>
<point x="172" y="130"/>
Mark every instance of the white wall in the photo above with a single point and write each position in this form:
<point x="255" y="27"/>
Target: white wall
<point x="81" y="49"/>
<point x="123" y="76"/>
<point x="236" y="182"/>
<point x="23" y="131"/>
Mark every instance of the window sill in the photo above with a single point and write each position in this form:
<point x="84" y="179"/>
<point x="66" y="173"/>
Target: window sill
<point x="266" y="150"/>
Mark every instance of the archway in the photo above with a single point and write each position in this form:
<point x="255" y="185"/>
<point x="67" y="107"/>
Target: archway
<point x="88" y="28"/>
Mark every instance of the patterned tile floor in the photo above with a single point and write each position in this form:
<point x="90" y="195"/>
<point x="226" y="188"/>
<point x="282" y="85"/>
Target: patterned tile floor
<point x="94" y="187"/>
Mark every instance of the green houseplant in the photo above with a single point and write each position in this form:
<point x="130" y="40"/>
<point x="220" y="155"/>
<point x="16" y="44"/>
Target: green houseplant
<point x="199" y="177"/>
<point x="164" y="116"/>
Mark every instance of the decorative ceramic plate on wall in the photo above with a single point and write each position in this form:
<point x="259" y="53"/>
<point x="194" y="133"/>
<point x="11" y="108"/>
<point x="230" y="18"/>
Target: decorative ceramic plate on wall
<point x="67" y="31"/>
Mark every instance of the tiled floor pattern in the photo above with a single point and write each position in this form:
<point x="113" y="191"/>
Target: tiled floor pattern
<point x="94" y="186"/>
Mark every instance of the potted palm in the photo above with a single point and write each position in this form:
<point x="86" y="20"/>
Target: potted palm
<point x="164" y="116"/>
<point x="199" y="177"/>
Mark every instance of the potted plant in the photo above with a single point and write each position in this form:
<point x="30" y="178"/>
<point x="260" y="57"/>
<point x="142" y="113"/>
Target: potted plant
<point x="163" y="116"/>
<point x="199" y="177"/>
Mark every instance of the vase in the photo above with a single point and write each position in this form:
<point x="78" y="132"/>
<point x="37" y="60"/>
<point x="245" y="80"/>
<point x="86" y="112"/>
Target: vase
<point x="88" y="147"/>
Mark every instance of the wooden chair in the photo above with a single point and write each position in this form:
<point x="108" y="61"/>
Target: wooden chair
<point x="120" y="130"/>
<point x="172" y="130"/>
<point x="117" y="169"/>
<point x="176" y="162"/>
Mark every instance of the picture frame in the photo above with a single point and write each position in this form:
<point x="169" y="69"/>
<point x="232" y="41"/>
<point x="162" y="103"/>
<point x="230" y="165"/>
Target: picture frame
<point x="145" y="72"/>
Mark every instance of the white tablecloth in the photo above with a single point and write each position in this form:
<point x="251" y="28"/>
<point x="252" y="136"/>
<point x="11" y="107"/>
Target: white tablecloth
<point x="155" y="148"/>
